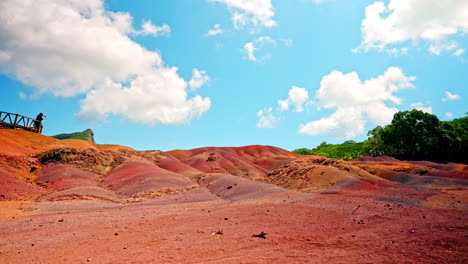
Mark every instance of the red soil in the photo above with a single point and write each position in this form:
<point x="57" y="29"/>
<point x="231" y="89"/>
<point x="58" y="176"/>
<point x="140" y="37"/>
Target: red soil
<point x="62" y="177"/>
<point x="20" y="142"/>
<point x="11" y="188"/>
<point x="88" y="203"/>
<point x="137" y="178"/>
<point x="250" y="162"/>
<point x="233" y="188"/>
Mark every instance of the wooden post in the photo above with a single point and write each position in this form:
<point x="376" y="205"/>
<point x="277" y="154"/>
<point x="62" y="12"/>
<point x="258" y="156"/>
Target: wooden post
<point x="14" y="123"/>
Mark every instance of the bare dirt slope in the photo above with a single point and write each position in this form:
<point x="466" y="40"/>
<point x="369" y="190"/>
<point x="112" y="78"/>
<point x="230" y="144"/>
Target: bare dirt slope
<point x="73" y="201"/>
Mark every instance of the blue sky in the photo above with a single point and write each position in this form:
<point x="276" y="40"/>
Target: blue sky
<point x="180" y="74"/>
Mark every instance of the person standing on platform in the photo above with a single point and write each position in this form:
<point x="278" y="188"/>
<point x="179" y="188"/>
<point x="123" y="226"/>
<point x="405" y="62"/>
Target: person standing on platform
<point x="38" y="122"/>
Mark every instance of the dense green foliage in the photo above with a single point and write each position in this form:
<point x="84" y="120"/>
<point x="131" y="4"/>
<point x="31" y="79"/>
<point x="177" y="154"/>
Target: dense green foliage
<point x="412" y="135"/>
<point x="346" y="151"/>
<point x="416" y="135"/>
<point x="87" y="135"/>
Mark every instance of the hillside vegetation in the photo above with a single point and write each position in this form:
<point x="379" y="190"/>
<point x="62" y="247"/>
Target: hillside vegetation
<point x="412" y="135"/>
<point x="87" y="135"/>
<point x="346" y="151"/>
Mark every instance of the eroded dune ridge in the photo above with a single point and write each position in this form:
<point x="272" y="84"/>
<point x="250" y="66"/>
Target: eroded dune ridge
<point x="311" y="209"/>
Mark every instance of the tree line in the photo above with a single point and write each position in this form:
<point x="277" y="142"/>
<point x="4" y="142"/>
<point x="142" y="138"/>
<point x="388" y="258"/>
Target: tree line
<point x="417" y="135"/>
<point x="412" y="135"/>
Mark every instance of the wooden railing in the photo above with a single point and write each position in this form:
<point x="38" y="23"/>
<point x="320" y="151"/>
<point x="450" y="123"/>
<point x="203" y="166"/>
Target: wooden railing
<point x="15" y="121"/>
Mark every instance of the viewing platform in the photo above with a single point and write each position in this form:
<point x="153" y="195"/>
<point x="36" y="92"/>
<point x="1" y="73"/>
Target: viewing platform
<point x="15" y="121"/>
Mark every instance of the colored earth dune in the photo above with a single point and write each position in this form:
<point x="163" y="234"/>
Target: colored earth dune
<point x="73" y="201"/>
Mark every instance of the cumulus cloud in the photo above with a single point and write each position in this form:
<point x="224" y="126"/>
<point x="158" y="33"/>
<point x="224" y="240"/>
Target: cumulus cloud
<point x="250" y="13"/>
<point x="297" y="97"/>
<point x="432" y="21"/>
<point x="449" y="114"/>
<point x="216" y="30"/>
<point x="151" y="98"/>
<point x="421" y="107"/>
<point x="459" y="52"/>
<point x="199" y="78"/>
<point x="356" y="102"/>
<point x="149" y="29"/>
<point x="72" y="47"/>
<point x="259" y="43"/>
<point x="267" y="119"/>
<point x="450" y="96"/>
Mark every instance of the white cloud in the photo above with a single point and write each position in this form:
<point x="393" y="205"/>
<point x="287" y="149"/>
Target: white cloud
<point x="439" y="47"/>
<point x="450" y="96"/>
<point x="356" y="102"/>
<point x="397" y="51"/>
<point x="267" y="119"/>
<point x="250" y="13"/>
<point x="216" y="30"/>
<point x="148" y="28"/>
<point x="73" y="47"/>
<point x="433" y="21"/>
<point x="151" y="98"/>
<point x="250" y="48"/>
<point x="344" y="123"/>
<point x="297" y="97"/>
<point x="421" y="107"/>
<point x="449" y="114"/>
<point x="199" y="78"/>
<point x="459" y="52"/>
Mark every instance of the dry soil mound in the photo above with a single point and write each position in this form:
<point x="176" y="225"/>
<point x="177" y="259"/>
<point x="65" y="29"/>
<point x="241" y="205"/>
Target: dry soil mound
<point x="134" y="179"/>
<point x="82" y="193"/>
<point x="418" y="173"/>
<point x="172" y="164"/>
<point x="314" y="173"/>
<point x="234" y="188"/>
<point x="11" y="188"/>
<point x="60" y="177"/>
<point x="251" y="162"/>
<point x="19" y="142"/>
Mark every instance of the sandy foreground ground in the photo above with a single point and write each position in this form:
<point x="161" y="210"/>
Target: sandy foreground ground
<point x="380" y="226"/>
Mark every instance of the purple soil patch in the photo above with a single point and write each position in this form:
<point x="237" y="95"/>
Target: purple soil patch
<point x="62" y="177"/>
<point x="423" y="181"/>
<point x="133" y="178"/>
<point x="223" y="161"/>
<point x="11" y="188"/>
<point x="249" y="162"/>
<point x="413" y="202"/>
<point x="449" y="170"/>
<point x="235" y="188"/>
<point x="175" y="165"/>
<point x="438" y="166"/>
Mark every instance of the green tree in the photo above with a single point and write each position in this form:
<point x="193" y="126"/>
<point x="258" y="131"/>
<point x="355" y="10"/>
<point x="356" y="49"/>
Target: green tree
<point x="413" y="134"/>
<point x="322" y="145"/>
<point x="374" y="143"/>
<point x="418" y="135"/>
